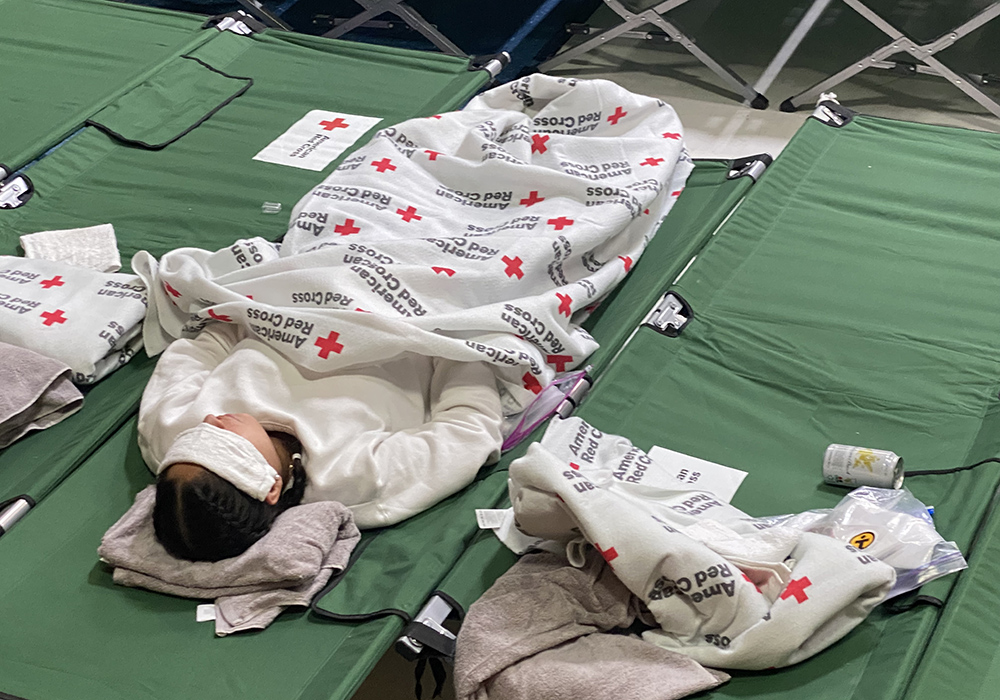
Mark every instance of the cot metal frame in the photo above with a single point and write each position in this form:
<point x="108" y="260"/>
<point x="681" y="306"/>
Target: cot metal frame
<point x="655" y="16"/>
<point x="409" y="16"/>
<point x="899" y="43"/>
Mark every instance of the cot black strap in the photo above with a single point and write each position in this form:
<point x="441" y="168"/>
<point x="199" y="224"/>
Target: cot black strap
<point x="437" y="671"/>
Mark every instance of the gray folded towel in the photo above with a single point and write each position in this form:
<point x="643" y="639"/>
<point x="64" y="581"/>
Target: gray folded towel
<point x="37" y="392"/>
<point x="290" y="564"/>
<point x="536" y="633"/>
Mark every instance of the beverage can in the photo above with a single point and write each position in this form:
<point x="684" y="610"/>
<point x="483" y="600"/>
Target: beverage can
<point x="851" y="466"/>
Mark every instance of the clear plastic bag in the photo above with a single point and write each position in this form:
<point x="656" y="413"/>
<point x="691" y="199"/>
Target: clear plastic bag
<point x="888" y="524"/>
<point x="518" y="427"/>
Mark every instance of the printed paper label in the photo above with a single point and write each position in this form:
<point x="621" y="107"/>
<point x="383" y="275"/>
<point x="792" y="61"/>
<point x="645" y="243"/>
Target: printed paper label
<point x="699" y="473"/>
<point x="314" y="141"/>
<point x="489" y="519"/>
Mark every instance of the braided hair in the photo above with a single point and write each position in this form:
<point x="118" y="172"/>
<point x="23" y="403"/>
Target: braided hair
<point x="206" y="518"/>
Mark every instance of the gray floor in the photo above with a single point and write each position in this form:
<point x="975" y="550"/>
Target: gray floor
<point x="718" y="125"/>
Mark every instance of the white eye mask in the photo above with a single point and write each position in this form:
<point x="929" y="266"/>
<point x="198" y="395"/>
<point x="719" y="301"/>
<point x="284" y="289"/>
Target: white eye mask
<point x="225" y="454"/>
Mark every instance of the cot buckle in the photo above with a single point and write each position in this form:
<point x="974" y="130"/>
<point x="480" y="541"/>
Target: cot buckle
<point x="13" y="510"/>
<point x="426" y="635"/>
<point x="670" y="316"/>
<point x="237" y="22"/>
<point x="15" y="190"/>
<point x="833" y="113"/>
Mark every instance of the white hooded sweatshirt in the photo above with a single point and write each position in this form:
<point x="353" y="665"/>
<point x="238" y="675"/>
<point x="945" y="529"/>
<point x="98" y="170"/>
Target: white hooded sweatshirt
<point x="388" y="441"/>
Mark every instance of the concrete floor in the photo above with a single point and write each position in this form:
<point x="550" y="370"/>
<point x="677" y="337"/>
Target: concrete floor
<point x="718" y="125"/>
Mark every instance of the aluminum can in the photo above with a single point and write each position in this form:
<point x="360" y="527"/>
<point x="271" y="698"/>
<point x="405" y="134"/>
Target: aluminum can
<point x="847" y="465"/>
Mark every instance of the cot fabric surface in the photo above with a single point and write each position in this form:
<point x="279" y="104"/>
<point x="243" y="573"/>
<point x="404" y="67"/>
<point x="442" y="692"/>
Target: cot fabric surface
<point x="204" y="189"/>
<point x="850" y="298"/>
<point x="64" y="56"/>
<point x="108" y="651"/>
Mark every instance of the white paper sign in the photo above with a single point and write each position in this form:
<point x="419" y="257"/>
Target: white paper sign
<point x="699" y="473"/>
<point x="314" y="141"/>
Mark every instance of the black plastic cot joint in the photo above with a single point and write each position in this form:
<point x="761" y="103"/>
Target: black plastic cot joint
<point x="760" y="102"/>
<point x="751" y="166"/>
<point x="788" y="106"/>
<point x="492" y="64"/>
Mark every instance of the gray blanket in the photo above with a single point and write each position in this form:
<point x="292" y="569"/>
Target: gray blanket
<point x="37" y="392"/>
<point x="537" y="633"/>
<point x="286" y="567"/>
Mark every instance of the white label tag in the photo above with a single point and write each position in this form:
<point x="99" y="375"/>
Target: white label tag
<point x="699" y="473"/>
<point x="205" y="613"/>
<point x="489" y="519"/>
<point x="314" y="141"/>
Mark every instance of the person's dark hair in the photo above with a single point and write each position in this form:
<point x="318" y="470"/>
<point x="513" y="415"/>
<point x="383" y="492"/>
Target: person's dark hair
<point x="206" y="518"/>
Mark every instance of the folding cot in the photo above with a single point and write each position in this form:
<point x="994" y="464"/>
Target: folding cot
<point x="528" y="31"/>
<point x="202" y="190"/>
<point x="851" y="298"/>
<point x="922" y="55"/>
<point x="635" y="14"/>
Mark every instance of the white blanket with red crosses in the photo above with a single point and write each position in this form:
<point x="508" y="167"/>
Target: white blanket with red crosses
<point x="724" y="592"/>
<point x="481" y="235"/>
<point x="88" y="320"/>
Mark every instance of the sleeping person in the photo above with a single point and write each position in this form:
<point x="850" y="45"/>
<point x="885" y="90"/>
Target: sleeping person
<point x="236" y="434"/>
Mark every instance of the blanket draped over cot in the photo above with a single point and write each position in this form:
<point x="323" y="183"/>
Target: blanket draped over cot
<point x="725" y="590"/>
<point x="481" y="235"/>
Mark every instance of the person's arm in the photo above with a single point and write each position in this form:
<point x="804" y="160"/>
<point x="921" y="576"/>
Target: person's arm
<point x="179" y="375"/>
<point x="418" y="467"/>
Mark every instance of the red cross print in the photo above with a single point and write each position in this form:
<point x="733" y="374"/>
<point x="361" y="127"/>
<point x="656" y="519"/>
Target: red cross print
<point x="797" y="587"/>
<point x="346" y="228"/>
<point x="538" y="143"/>
<point x="676" y="193"/>
<point x="383" y="165"/>
<point x="337" y="123"/>
<point x="645" y="211"/>
<point x="652" y="161"/>
<point x="328" y="344"/>
<point x="673" y="135"/>
<point x="561" y="223"/>
<point x="574" y="465"/>
<point x="609" y="554"/>
<point x="564" y="301"/>
<point x="532" y="198"/>
<point x="219" y="317"/>
<point x="409" y="214"/>
<point x="446" y="270"/>
<point x="558" y="361"/>
<point x="53" y="317"/>
<point x="364" y="311"/>
<point x="531" y="384"/>
<point x="619" y="113"/>
<point x="627" y="260"/>
<point x="432" y="155"/>
<point x="435" y="116"/>
<point x="56" y="281"/>
<point x="513" y="266"/>
<point x="170" y="290"/>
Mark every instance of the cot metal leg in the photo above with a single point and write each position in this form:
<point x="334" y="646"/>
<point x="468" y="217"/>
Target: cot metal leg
<point x="901" y="43"/>
<point x="370" y="11"/>
<point x="791" y="44"/>
<point x="413" y="19"/>
<point x="655" y="17"/>
<point x="728" y="76"/>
